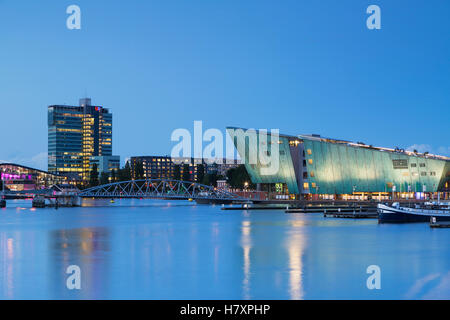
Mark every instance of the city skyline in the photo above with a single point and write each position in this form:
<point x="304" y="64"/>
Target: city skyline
<point x="305" y="68"/>
<point x="222" y="157"/>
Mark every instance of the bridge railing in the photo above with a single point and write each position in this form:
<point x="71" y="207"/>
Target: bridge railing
<point x="158" y="188"/>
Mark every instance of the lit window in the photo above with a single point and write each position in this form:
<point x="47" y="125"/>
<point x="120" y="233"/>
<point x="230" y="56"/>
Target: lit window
<point x="309" y="151"/>
<point x="310" y="161"/>
<point x="306" y="185"/>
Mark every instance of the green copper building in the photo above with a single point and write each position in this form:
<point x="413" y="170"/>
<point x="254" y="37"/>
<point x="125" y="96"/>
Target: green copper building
<point x="313" y="165"/>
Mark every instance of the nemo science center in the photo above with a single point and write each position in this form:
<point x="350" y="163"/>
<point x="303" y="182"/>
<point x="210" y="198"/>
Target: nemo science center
<point x="312" y="167"/>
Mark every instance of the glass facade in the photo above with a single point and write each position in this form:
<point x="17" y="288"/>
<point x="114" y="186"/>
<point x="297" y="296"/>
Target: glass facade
<point x="105" y="164"/>
<point x="75" y="134"/>
<point x="316" y="165"/>
<point x="345" y="169"/>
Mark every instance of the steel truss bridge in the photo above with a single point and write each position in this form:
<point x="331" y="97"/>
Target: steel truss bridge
<point x="162" y="189"/>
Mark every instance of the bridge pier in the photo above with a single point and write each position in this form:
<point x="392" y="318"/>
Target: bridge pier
<point x="65" y="201"/>
<point x="38" y="202"/>
<point x="60" y="201"/>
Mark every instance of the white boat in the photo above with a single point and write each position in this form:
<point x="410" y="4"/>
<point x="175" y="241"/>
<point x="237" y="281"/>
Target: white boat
<point x="398" y="214"/>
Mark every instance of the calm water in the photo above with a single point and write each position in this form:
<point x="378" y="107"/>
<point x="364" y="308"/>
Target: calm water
<point x="145" y="249"/>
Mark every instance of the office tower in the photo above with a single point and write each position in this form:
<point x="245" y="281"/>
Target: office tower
<point x="75" y="134"/>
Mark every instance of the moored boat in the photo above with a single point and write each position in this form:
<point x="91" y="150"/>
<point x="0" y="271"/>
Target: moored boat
<point x="398" y="214"/>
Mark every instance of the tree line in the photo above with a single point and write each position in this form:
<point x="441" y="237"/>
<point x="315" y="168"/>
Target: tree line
<point x="115" y="175"/>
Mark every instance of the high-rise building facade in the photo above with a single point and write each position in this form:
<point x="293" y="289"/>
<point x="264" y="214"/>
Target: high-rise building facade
<point x="75" y="134"/>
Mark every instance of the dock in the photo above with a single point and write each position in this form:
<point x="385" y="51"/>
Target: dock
<point x="251" y="207"/>
<point x="440" y="225"/>
<point x="354" y="215"/>
<point x="329" y="211"/>
<point x="349" y="212"/>
<point x="343" y="212"/>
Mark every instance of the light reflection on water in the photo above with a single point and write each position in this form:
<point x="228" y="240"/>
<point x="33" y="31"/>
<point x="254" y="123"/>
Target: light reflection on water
<point x="246" y="246"/>
<point x="143" y="249"/>
<point x="295" y="246"/>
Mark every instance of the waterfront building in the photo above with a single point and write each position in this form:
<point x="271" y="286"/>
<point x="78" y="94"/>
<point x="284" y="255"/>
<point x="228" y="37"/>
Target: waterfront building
<point x="20" y="178"/>
<point x="75" y="135"/>
<point x="311" y="166"/>
<point x="163" y="167"/>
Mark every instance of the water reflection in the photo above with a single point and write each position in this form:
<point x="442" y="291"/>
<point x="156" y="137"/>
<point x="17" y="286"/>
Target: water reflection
<point x="7" y="254"/>
<point x="87" y="248"/>
<point x="215" y="242"/>
<point x="199" y="252"/>
<point x="246" y="243"/>
<point x="17" y="254"/>
<point x="295" y="247"/>
<point x="272" y="260"/>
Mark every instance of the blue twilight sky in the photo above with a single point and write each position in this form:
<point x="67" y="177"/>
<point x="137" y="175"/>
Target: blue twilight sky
<point x="302" y="66"/>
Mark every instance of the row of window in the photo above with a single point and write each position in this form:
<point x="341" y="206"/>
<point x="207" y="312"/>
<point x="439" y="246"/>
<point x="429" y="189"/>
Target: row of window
<point x="306" y="185"/>
<point x="314" y="185"/>
<point x="413" y="165"/>
<point x="406" y="174"/>
<point x="422" y="165"/>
